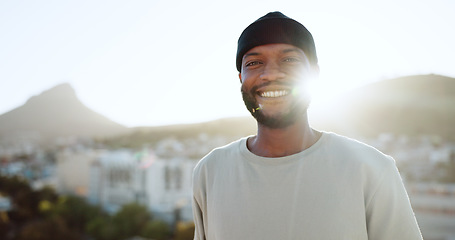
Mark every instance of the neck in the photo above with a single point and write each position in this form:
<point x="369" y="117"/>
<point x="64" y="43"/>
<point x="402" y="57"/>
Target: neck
<point x="284" y="141"/>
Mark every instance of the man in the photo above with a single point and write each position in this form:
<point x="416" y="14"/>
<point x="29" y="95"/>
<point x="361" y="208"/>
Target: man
<point x="291" y="181"/>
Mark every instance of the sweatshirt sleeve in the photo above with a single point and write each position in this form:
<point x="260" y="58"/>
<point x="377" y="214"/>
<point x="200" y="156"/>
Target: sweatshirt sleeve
<point x="198" y="221"/>
<point x="389" y="213"/>
<point x="198" y="203"/>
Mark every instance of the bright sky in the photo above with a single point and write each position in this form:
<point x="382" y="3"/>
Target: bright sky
<point x="149" y="63"/>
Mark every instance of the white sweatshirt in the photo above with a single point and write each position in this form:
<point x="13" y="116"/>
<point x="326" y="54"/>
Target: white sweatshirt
<point x="336" y="189"/>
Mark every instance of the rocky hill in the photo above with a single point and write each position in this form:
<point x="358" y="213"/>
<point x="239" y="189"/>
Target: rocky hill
<point x="411" y="105"/>
<point x="56" y="112"/>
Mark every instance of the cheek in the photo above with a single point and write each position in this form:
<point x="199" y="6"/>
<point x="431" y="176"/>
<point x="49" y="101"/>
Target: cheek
<point x="299" y="72"/>
<point x="246" y="78"/>
<point x="302" y="78"/>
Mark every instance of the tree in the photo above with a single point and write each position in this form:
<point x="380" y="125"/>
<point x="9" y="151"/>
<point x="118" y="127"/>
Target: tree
<point x="25" y="200"/>
<point x="47" y="194"/>
<point x="101" y="228"/>
<point x="76" y="212"/>
<point x="184" y="231"/>
<point x="47" y="229"/>
<point x="130" y="220"/>
<point x="158" y="230"/>
<point x="42" y="214"/>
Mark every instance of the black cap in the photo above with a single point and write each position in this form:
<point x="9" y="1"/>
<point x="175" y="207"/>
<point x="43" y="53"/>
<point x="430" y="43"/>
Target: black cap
<point x="276" y="27"/>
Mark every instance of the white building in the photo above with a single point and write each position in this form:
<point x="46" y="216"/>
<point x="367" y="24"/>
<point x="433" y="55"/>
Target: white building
<point x="163" y="185"/>
<point x="73" y="170"/>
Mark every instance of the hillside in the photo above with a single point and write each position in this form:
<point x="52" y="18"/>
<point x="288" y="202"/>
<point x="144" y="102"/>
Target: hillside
<point x="412" y="105"/>
<point x="56" y="112"/>
<point x="229" y="128"/>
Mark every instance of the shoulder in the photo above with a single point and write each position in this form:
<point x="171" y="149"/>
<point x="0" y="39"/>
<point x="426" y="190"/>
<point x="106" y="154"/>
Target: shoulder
<point x="362" y="162"/>
<point x="353" y="151"/>
<point x="220" y="156"/>
<point x="349" y="144"/>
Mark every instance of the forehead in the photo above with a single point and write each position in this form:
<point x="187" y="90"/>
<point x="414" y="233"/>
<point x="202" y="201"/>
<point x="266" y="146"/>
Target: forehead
<point x="274" y="48"/>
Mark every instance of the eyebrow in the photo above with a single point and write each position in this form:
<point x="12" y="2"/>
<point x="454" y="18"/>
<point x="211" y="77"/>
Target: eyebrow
<point x="287" y="50"/>
<point x="250" y="54"/>
<point x="291" y="50"/>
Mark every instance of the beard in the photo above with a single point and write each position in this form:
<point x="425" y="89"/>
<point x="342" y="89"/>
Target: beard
<point x="296" y="110"/>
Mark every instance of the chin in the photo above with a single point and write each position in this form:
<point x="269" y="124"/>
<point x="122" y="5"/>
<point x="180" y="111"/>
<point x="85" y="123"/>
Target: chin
<point x="279" y="120"/>
<point x="282" y="119"/>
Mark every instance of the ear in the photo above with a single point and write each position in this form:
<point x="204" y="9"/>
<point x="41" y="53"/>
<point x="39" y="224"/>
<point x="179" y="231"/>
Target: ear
<point x="240" y="77"/>
<point x="315" y="69"/>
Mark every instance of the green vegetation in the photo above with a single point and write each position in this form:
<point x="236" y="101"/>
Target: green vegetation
<point x="44" y="215"/>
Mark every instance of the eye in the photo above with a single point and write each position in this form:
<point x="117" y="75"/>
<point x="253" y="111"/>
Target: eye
<point x="252" y="63"/>
<point x="291" y="59"/>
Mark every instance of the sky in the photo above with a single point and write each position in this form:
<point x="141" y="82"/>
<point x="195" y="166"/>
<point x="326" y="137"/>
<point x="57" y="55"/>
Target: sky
<point x="154" y="63"/>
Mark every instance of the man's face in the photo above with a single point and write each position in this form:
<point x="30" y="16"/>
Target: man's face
<point x="275" y="81"/>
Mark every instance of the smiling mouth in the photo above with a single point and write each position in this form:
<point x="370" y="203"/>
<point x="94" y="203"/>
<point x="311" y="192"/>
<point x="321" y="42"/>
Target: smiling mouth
<point x="274" y="94"/>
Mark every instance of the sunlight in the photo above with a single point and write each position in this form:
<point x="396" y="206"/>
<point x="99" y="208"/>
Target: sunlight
<point x="324" y="90"/>
<point x="362" y="57"/>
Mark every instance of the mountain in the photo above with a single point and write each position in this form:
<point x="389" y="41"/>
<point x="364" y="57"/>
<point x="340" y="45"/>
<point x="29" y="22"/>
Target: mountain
<point x="56" y="112"/>
<point x="411" y="105"/>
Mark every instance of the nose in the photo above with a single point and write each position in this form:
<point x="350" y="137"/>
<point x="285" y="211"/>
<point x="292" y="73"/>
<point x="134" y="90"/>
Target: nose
<point x="272" y="71"/>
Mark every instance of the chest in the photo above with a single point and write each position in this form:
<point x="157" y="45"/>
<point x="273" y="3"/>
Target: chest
<point x="292" y="201"/>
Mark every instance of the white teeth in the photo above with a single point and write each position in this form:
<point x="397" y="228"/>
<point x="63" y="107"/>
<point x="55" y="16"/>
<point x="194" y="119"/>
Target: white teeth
<point x="272" y="94"/>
